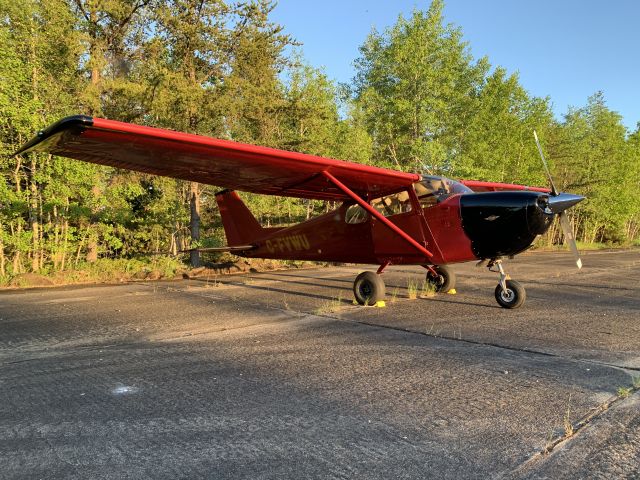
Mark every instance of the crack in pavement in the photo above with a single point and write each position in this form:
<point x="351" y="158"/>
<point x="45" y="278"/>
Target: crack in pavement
<point x="586" y="421"/>
<point x="487" y="344"/>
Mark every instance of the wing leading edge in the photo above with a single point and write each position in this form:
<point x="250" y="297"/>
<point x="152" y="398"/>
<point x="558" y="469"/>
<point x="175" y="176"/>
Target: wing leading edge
<point x="223" y="163"/>
<point x="479" y="186"/>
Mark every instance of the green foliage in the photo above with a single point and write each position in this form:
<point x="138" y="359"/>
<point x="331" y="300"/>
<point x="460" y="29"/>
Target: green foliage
<point x="427" y="105"/>
<point x="416" y="84"/>
<point x="596" y="159"/>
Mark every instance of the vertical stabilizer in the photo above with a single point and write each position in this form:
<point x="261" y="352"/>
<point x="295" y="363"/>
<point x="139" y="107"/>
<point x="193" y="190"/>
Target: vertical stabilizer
<point x="240" y="226"/>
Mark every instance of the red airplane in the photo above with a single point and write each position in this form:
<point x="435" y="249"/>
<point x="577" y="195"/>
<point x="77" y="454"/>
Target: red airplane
<point x="386" y="217"/>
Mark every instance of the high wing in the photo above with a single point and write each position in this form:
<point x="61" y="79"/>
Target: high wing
<point x="213" y="161"/>
<point x="478" y="186"/>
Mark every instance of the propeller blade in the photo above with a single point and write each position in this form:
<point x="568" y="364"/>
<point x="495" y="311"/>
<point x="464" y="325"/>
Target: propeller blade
<point x="558" y="203"/>
<point x="554" y="190"/>
<point x="569" y="238"/>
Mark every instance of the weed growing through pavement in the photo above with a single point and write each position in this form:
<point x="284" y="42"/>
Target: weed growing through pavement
<point x="412" y="289"/>
<point x="394" y="295"/>
<point x="421" y="290"/>
<point x="427" y="290"/>
<point x="285" y="303"/>
<point x="329" y="306"/>
<point x="624" y="392"/>
<point x="568" y="426"/>
<point x="549" y="445"/>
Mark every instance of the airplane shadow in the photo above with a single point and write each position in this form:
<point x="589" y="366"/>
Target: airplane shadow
<point x="313" y="280"/>
<point x="346" y="301"/>
<point x="272" y="289"/>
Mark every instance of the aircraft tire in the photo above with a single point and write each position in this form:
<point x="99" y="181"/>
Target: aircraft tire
<point x="368" y="288"/>
<point x="445" y="279"/>
<point x="514" y="296"/>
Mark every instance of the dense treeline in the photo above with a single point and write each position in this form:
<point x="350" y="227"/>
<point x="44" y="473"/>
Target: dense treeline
<point x="419" y="102"/>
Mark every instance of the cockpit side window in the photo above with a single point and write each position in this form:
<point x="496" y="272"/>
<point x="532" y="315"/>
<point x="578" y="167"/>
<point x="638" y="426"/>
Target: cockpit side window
<point x="387" y="206"/>
<point x="392" y="204"/>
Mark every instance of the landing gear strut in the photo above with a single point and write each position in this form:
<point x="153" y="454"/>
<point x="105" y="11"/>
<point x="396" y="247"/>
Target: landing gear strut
<point x="441" y="278"/>
<point x="368" y="288"/>
<point x="508" y="293"/>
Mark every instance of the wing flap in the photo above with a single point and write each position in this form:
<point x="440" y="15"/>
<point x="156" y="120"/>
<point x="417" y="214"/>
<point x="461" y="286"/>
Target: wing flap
<point x="212" y="161"/>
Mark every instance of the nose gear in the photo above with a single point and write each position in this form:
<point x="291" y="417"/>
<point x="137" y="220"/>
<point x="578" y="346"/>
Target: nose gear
<point x="509" y="293"/>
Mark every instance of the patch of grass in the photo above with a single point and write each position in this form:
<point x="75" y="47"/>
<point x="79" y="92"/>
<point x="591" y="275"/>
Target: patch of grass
<point x="394" y="295"/>
<point x="624" y="392"/>
<point x="427" y="290"/>
<point x="566" y="421"/>
<point x="212" y="282"/>
<point x="329" y="306"/>
<point x="549" y="443"/>
<point x="412" y="289"/>
<point x="110" y="270"/>
<point x="635" y="381"/>
<point x="285" y="304"/>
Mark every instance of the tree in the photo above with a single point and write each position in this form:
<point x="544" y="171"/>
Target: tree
<point x="593" y="158"/>
<point x="497" y="144"/>
<point x="38" y="65"/>
<point x="254" y="95"/>
<point x="415" y="84"/>
<point x="188" y="58"/>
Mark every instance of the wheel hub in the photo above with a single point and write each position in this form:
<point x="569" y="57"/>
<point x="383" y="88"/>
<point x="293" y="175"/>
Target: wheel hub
<point x="506" y="295"/>
<point x="365" y="289"/>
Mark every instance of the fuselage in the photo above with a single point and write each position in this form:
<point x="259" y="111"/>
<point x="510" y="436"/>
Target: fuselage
<point x="444" y="216"/>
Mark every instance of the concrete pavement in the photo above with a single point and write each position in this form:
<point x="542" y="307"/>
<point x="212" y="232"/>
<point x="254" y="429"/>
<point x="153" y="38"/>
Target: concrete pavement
<point x="278" y="375"/>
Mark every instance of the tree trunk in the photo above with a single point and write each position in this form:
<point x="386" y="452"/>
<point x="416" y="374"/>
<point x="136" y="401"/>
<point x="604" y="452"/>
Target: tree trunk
<point x="33" y="217"/>
<point x="41" y="232"/>
<point x="79" y="251"/>
<point x="17" y="260"/>
<point x="194" y="202"/>
<point x="65" y="228"/>
<point x="2" y="257"/>
<point x="92" y="248"/>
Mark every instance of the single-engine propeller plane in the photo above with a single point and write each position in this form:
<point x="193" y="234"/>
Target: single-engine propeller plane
<point x="385" y="217"/>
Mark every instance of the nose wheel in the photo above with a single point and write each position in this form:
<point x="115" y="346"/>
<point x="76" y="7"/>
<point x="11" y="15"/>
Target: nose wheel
<point x="508" y="293"/>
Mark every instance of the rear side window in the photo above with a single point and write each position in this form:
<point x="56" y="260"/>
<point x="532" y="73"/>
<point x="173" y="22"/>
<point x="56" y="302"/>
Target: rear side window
<point x="356" y="214"/>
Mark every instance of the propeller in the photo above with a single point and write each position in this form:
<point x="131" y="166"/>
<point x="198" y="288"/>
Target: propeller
<point x="558" y="203"/>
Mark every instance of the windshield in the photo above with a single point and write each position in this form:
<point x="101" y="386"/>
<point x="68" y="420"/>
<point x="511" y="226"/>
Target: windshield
<point x="432" y="190"/>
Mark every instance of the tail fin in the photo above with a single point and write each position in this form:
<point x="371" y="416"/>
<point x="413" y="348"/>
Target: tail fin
<point x="240" y="226"/>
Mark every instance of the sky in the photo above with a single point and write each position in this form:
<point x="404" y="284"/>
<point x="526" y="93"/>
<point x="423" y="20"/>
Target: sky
<point x="564" y="49"/>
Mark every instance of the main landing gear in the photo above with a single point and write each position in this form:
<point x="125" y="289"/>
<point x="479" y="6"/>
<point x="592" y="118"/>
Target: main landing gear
<point x="368" y="288"/>
<point x="508" y="293"/>
<point x="440" y="278"/>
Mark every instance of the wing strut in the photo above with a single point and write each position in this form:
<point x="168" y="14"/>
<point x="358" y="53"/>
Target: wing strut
<point x="377" y="215"/>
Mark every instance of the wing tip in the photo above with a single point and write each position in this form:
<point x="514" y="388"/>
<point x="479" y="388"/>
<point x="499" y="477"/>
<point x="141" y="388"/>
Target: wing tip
<point x="66" y="123"/>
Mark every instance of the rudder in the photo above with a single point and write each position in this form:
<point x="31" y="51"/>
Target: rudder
<point x="240" y="226"/>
